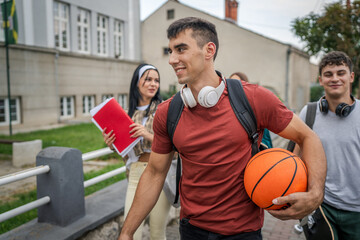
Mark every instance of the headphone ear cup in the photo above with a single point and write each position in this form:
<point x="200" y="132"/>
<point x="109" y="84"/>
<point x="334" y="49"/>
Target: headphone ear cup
<point x="207" y="97"/>
<point x="188" y="97"/>
<point x="323" y="105"/>
<point x="343" y="110"/>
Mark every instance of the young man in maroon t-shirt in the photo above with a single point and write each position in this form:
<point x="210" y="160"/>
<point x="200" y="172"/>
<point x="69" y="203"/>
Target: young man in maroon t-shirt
<point x="215" y="148"/>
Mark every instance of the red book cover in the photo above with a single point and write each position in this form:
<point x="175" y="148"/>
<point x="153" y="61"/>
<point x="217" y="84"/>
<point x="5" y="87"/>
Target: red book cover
<point x="110" y="115"/>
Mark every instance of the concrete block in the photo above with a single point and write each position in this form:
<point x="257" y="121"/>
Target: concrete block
<point x="64" y="184"/>
<point x="24" y="153"/>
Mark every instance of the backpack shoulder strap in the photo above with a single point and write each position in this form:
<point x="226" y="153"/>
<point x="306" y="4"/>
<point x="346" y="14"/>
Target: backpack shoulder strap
<point x="309" y="120"/>
<point x="243" y="112"/>
<point x="176" y="107"/>
<point x="310" y="114"/>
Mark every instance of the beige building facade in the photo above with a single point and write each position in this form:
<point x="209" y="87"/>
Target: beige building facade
<point x="70" y="56"/>
<point x="277" y="66"/>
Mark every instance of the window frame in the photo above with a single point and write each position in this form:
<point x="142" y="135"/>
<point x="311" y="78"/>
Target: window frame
<point x="64" y="107"/>
<point x="123" y="100"/>
<point x="118" y="39"/>
<point x="102" y="35"/>
<point x="88" y="104"/>
<point x="2" y="32"/>
<point x="6" y="111"/>
<point x="83" y="27"/>
<point x="170" y="14"/>
<point x="59" y="21"/>
<point x="106" y="96"/>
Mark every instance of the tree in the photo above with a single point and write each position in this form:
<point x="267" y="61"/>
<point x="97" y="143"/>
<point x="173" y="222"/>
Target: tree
<point x="337" y="28"/>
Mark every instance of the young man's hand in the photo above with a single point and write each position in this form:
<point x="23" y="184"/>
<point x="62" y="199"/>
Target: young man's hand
<point x="301" y="205"/>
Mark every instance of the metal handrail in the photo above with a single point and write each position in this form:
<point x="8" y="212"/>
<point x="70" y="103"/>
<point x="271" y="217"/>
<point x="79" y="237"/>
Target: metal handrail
<point x="13" y="177"/>
<point x="96" y="153"/>
<point x="24" y="208"/>
<point x="104" y="176"/>
<point x="45" y="169"/>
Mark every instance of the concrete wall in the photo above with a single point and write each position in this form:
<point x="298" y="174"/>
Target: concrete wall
<point x="40" y="76"/>
<point x="264" y="60"/>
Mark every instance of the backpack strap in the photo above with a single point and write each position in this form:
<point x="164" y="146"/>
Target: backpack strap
<point x="309" y="120"/>
<point x="310" y="114"/>
<point x="176" y="107"/>
<point x="243" y="112"/>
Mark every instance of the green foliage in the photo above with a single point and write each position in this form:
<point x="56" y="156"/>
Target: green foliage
<point x="337" y="28"/>
<point x="85" y="137"/>
<point x="24" y="198"/>
<point x="316" y="92"/>
<point x="168" y="94"/>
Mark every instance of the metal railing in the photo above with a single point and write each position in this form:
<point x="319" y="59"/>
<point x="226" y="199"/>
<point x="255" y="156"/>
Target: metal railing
<point x="24" y="208"/>
<point x="31" y="172"/>
<point x="13" y="177"/>
<point x="97" y="153"/>
<point x="104" y="176"/>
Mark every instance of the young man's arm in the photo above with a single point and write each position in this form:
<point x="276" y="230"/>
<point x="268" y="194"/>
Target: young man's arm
<point x="147" y="193"/>
<point x="313" y="155"/>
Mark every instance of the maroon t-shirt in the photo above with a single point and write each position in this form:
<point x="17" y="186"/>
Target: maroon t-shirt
<point x="215" y="149"/>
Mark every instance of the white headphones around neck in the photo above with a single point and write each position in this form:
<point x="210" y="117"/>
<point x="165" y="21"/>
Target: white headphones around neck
<point x="208" y="96"/>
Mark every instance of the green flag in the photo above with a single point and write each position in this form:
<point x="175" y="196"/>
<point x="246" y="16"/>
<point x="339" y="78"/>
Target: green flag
<point x="10" y="22"/>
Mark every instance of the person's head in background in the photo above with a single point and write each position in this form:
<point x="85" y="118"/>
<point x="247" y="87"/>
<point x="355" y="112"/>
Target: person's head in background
<point x="144" y="87"/>
<point x="239" y="76"/>
<point x="336" y="75"/>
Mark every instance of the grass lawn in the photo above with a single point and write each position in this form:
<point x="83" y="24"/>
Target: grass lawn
<point x="86" y="137"/>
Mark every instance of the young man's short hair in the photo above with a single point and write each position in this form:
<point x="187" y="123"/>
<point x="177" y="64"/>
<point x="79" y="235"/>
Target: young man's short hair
<point x="335" y="58"/>
<point x="241" y="75"/>
<point x="203" y="31"/>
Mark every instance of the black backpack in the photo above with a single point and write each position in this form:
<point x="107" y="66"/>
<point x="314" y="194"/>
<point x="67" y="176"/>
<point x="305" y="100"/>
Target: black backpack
<point x="242" y="110"/>
<point x="309" y="120"/>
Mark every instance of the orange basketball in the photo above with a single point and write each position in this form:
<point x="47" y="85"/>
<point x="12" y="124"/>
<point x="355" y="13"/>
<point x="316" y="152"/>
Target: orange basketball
<point x="273" y="173"/>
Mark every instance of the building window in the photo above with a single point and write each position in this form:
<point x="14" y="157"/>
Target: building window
<point x="67" y="107"/>
<point x="4" y="111"/>
<point x="83" y="31"/>
<point x="88" y="104"/>
<point x="118" y="39"/>
<point x="2" y="25"/>
<point x="61" y="26"/>
<point x="166" y="51"/>
<point x="106" y="96"/>
<point x="123" y="101"/>
<point x="102" y="35"/>
<point x="170" y="14"/>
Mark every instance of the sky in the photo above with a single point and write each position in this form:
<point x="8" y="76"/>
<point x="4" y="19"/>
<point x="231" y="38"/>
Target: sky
<point x="271" y="18"/>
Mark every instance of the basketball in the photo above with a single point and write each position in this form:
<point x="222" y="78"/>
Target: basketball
<point x="273" y="173"/>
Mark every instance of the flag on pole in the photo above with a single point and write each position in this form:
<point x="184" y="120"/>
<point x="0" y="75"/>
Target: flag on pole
<point x="10" y="22"/>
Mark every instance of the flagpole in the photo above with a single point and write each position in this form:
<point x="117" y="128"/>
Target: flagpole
<point x="7" y="64"/>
